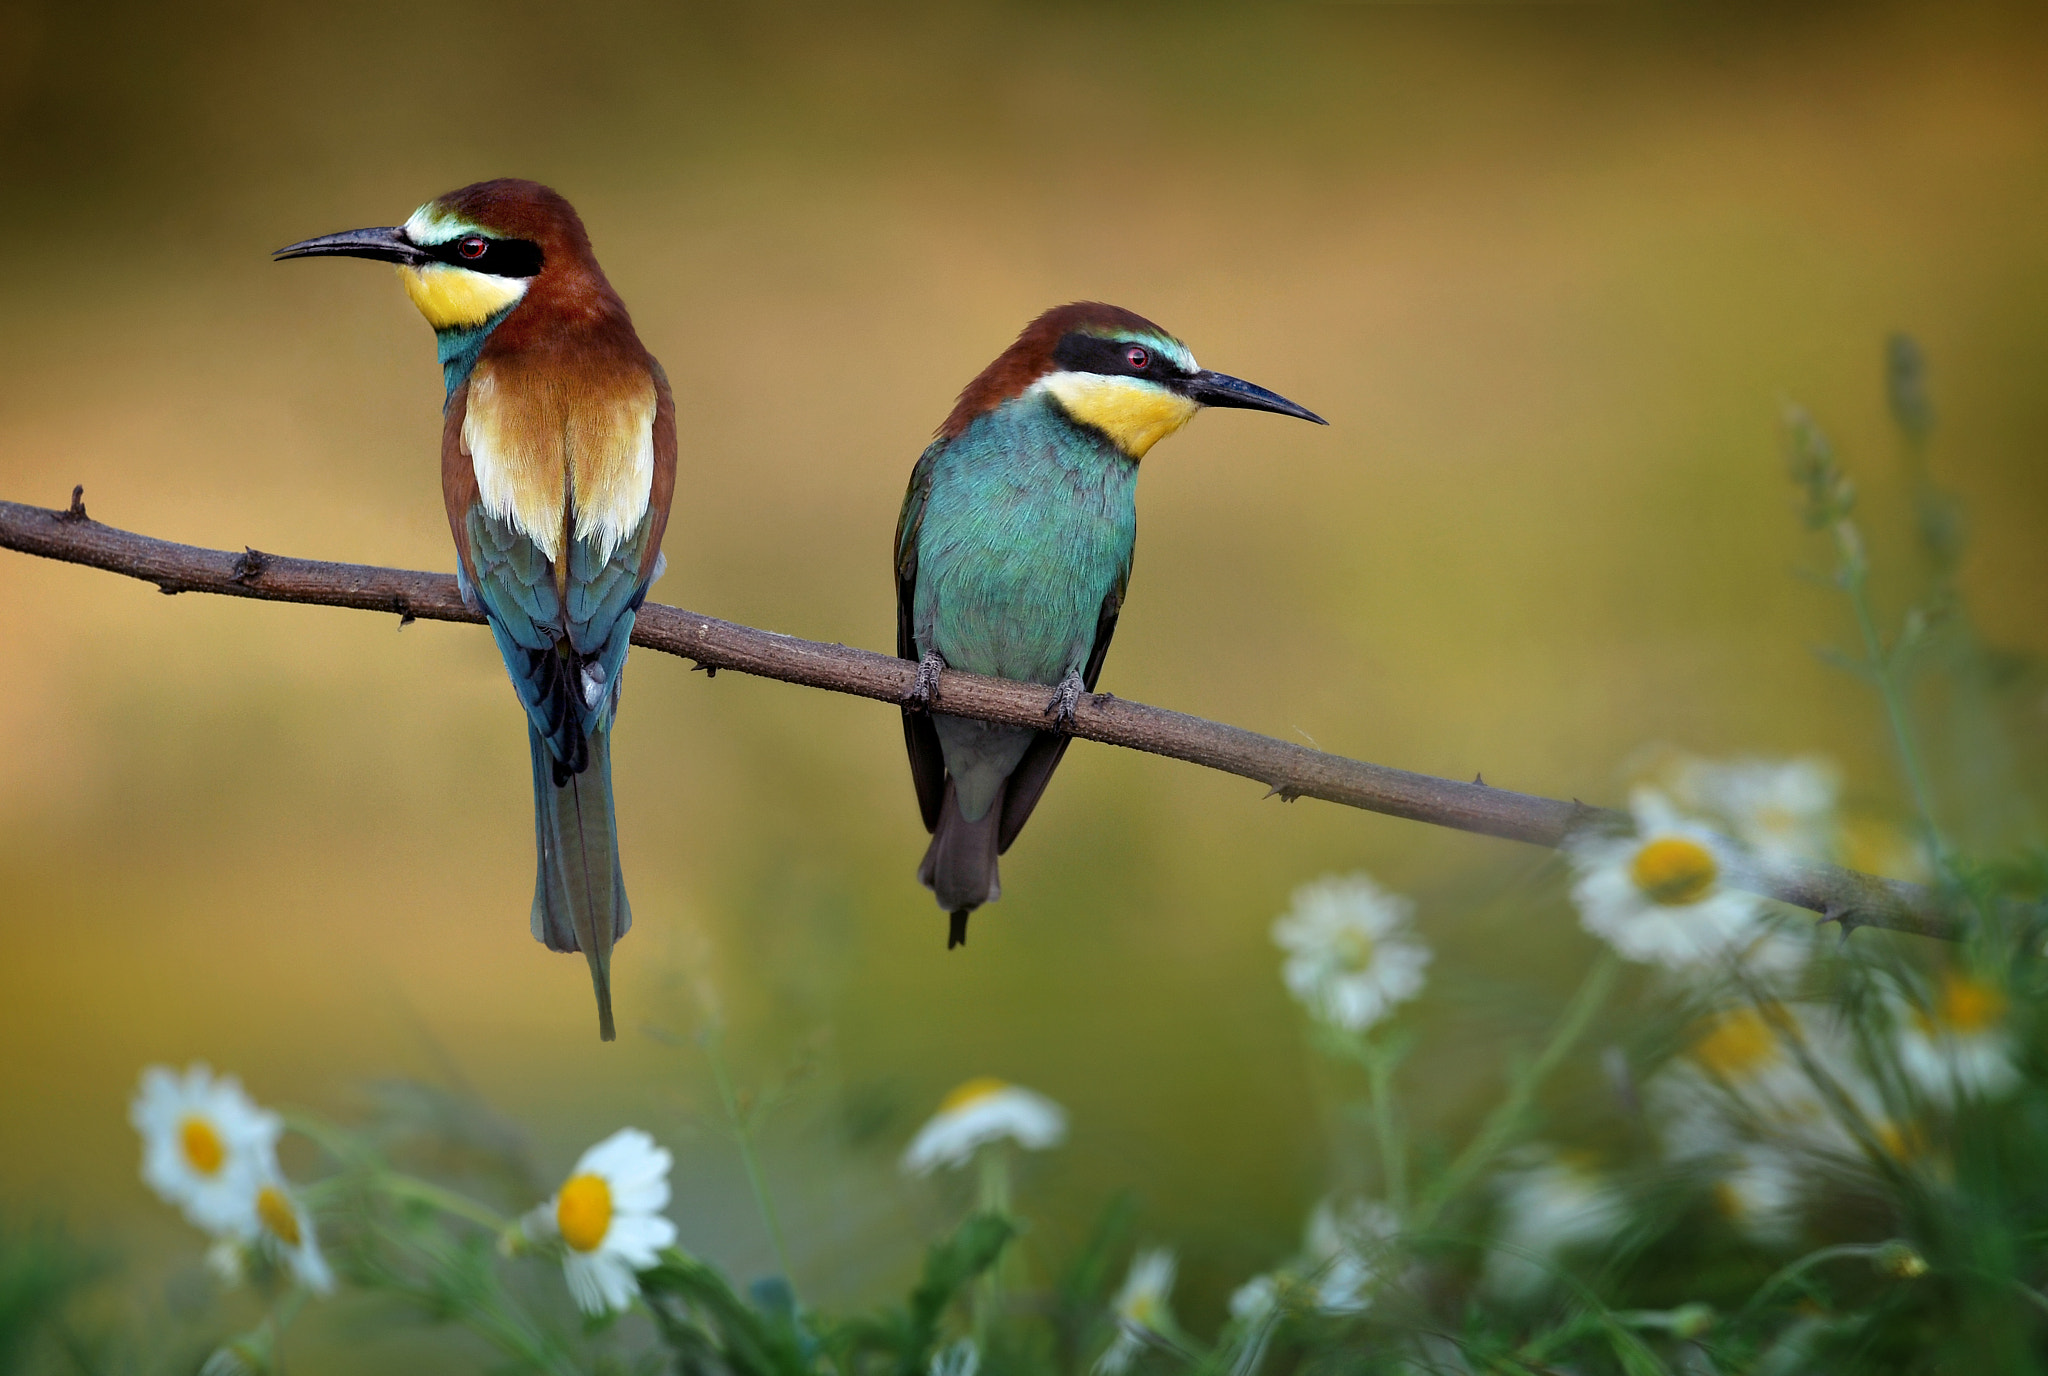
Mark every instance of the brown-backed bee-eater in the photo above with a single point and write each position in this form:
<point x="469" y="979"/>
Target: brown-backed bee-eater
<point x="558" y="461"/>
<point x="1012" y="555"/>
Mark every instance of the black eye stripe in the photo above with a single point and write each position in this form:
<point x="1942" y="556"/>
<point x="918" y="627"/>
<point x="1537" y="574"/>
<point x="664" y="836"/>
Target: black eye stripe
<point x="1079" y="352"/>
<point x="500" y="258"/>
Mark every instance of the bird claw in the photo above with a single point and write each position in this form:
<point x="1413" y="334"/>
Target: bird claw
<point x="1064" y="699"/>
<point x="924" y="689"/>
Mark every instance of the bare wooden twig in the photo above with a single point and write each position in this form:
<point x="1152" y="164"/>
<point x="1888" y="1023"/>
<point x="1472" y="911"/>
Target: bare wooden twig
<point x="1289" y="770"/>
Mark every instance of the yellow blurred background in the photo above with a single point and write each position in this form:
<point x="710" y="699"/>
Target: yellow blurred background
<point x="1550" y="271"/>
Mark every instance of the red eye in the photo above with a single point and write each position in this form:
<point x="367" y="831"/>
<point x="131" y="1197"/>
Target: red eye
<point x="473" y="246"/>
<point x="1138" y="358"/>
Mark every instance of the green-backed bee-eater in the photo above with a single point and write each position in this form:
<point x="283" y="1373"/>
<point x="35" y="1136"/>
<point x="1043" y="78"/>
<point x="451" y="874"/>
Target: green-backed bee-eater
<point x="1012" y="555"/>
<point x="558" y="462"/>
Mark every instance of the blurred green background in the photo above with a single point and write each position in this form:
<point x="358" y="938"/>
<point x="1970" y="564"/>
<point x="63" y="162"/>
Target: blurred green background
<point x="1550" y="271"/>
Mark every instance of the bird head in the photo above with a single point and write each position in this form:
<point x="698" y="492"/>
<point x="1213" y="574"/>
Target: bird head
<point x="1115" y="371"/>
<point x="468" y="257"/>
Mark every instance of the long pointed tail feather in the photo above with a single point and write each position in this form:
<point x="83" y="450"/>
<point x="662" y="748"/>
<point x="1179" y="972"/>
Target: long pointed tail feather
<point x="579" y="893"/>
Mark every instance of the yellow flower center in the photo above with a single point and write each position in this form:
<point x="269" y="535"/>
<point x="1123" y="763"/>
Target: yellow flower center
<point x="1353" y="949"/>
<point x="278" y="1215"/>
<point x="1673" y="870"/>
<point x="1969" y="1006"/>
<point x="584" y="1212"/>
<point x="980" y="1087"/>
<point x="204" y="1151"/>
<point x="1736" y="1043"/>
<point x="1902" y="1142"/>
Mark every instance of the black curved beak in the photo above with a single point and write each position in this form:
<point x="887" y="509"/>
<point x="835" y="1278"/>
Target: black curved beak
<point x="1221" y="389"/>
<point x="385" y="245"/>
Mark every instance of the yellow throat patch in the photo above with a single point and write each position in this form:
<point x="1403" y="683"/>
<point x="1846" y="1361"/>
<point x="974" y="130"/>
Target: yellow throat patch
<point x="1135" y="412"/>
<point x="453" y="298"/>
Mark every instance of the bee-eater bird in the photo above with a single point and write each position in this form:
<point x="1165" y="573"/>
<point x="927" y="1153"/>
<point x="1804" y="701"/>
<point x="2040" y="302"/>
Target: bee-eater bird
<point x="558" y="462"/>
<point x="1012" y="556"/>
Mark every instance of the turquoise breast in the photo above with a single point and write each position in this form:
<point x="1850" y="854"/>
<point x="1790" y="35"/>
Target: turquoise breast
<point x="1030" y="523"/>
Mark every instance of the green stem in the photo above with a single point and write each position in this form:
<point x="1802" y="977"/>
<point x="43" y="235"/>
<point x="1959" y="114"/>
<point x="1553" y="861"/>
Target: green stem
<point x="1506" y="1120"/>
<point x="743" y="1134"/>
<point x="329" y="1139"/>
<point x="483" y="1309"/>
<point x="1379" y="1076"/>
<point x="1855" y="567"/>
<point x="1793" y="1270"/>
<point x="438" y="1197"/>
<point x="993" y="1163"/>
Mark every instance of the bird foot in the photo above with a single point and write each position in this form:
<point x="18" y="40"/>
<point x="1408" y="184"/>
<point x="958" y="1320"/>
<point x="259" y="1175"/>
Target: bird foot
<point x="924" y="689"/>
<point x="1064" y="699"/>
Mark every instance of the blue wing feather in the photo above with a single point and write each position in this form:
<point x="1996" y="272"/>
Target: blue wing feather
<point x="564" y="653"/>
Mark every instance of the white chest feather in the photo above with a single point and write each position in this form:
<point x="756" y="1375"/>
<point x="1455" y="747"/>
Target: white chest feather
<point x="559" y="460"/>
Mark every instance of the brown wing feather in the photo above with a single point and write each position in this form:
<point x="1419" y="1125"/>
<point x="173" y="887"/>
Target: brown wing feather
<point x="663" y="491"/>
<point x="1042" y="756"/>
<point x="920" y="737"/>
<point x="458" y="474"/>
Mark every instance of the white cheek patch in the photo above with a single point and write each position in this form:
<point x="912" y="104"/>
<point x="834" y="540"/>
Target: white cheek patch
<point x="1135" y="412"/>
<point x="428" y="226"/>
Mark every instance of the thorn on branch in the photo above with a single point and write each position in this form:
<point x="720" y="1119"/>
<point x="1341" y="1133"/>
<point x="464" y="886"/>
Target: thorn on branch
<point x="1590" y="821"/>
<point x="698" y="666"/>
<point x="1859" y="900"/>
<point x="1844" y="916"/>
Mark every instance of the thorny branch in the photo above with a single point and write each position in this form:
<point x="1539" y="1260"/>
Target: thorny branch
<point x="1291" y="771"/>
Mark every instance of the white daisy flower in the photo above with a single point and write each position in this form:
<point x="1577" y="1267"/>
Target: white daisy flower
<point x="957" y="1358"/>
<point x="607" y="1216"/>
<point x="1760" y="1193"/>
<point x="288" y="1235"/>
<point x="226" y="1263"/>
<point x="1254" y="1301"/>
<point x="1140" y="1307"/>
<point x="1960" y="1045"/>
<point x="1555" y="1203"/>
<point x="1343" y="1253"/>
<point x="1743" y="1071"/>
<point x="981" y="1111"/>
<point x="1741" y="1102"/>
<point x="1784" y="811"/>
<point x="1350" y="955"/>
<point x="205" y="1146"/>
<point x="1657" y="896"/>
